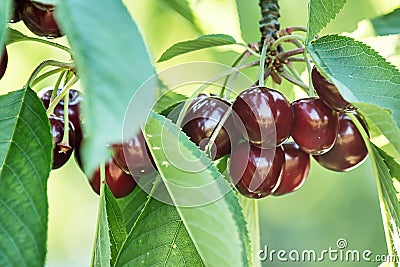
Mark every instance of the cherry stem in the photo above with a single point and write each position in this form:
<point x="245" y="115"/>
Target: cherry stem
<point x="46" y="75"/>
<point x="309" y="69"/>
<point x="208" y="83"/>
<point x="290" y="53"/>
<point x="262" y="64"/>
<point x="236" y="62"/>
<point x="293" y="80"/>
<point x="266" y="74"/>
<point x="297" y="43"/>
<point x="251" y="51"/>
<point x="68" y="76"/>
<point x="44" y="41"/>
<point x="216" y="131"/>
<point x="293" y="70"/>
<point x="285" y="39"/>
<point x="47" y="63"/>
<point x="65" y="140"/>
<point x="61" y="95"/>
<point x="55" y="89"/>
<point x="296" y="29"/>
<point x="235" y="76"/>
<point x="296" y="59"/>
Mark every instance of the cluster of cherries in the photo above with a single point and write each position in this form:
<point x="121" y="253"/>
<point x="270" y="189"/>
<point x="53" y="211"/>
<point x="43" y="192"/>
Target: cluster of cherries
<point x="38" y="18"/>
<point x="254" y="130"/>
<point x="120" y="169"/>
<point x="255" y="134"/>
<point x="262" y="161"/>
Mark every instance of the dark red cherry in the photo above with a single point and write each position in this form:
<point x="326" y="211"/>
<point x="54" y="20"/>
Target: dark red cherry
<point x="3" y="62"/>
<point x="134" y="156"/>
<point x="297" y="166"/>
<point x="329" y="93"/>
<point x="74" y="101"/>
<point x="315" y="125"/>
<point x="255" y="171"/>
<point x="120" y="183"/>
<point x="201" y="120"/>
<point x="61" y="152"/>
<point x="39" y="18"/>
<point x="349" y="150"/>
<point x="15" y="16"/>
<point x="265" y="114"/>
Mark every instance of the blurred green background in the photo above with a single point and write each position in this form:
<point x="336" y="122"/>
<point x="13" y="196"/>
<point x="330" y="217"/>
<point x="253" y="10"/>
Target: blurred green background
<point x="330" y="206"/>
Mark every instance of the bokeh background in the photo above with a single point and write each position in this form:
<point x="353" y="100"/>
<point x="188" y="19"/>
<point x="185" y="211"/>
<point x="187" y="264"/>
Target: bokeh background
<point x="330" y="205"/>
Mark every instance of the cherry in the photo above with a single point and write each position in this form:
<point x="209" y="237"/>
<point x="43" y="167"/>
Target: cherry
<point x="315" y="125"/>
<point x="202" y="118"/>
<point x="255" y="171"/>
<point x="349" y="150"/>
<point x="61" y="152"/>
<point x="39" y="18"/>
<point x="297" y="166"/>
<point x="329" y="93"/>
<point x="120" y="183"/>
<point x="15" y="15"/>
<point x="3" y="62"/>
<point x="265" y="114"/>
<point x="134" y="156"/>
<point x="74" y="101"/>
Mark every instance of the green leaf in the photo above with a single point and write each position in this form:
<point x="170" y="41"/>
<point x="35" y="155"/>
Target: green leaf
<point x="47" y="2"/>
<point x="247" y="20"/>
<point x="199" y="191"/>
<point x="131" y="206"/>
<point x="202" y="42"/>
<point x="116" y="223"/>
<point x="14" y="36"/>
<point x="168" y="100"/>
<point x="5" y="14"/>
<point x="110" y="232"/>
<point x="111" y="70"/>
<point x="320" y="13"/>
<point x="250" y="211"/>
<point x="222" y="164"/>
<point x="384" y="167"/>
<point x="358" y="71"/>
<point x="102" y="244"/>
<point x="393" y="166"/>
<point x="380" y="121"/>
<point x="158" y="238"/>
<point x="25" y="163"/>
<point x="388" y="23"/>
<point x="182" y="7"/>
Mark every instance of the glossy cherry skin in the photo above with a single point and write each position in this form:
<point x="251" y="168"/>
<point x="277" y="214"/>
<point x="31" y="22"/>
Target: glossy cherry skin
<point x="265" y="114"/>
<point x="315" y="125"/>
<point x="295" y="172"/>
<point x="61" y="153"/>
<point x="74" y="101"/>
<point x="120" y="183"/>
<point x="15" y="15"/>
<point x="349" y="150"/>
<point x="39" y="18"/>
<point x="254" y="171"/>
<point x="134" y="156"/>
<point x="202" y="118"/>
<point x="3" y="63"/>
<point x="329" y="93"/>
